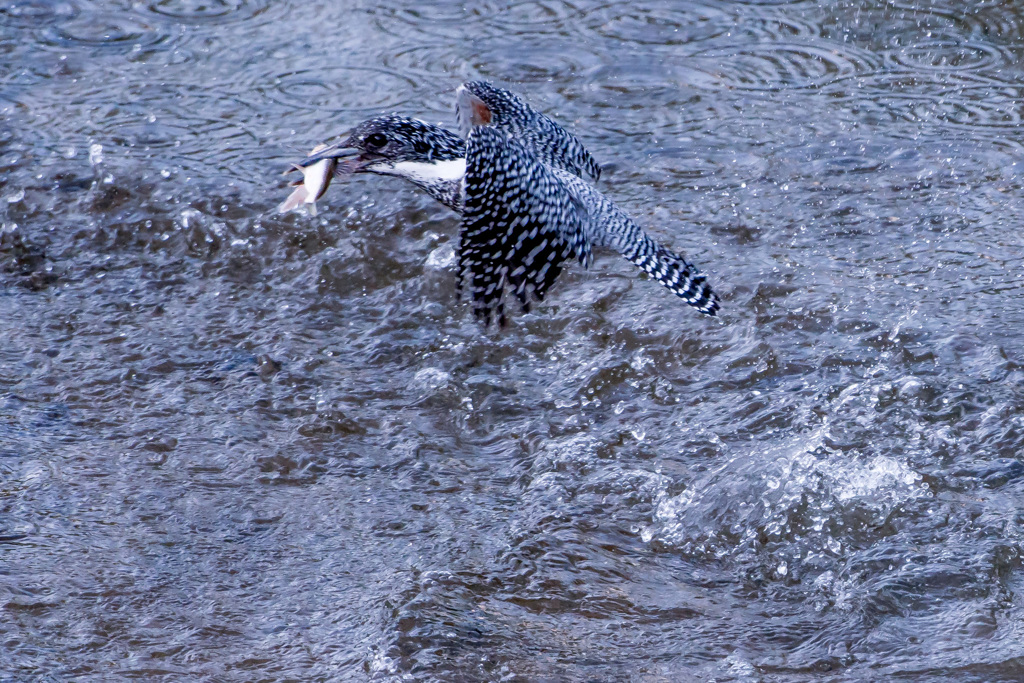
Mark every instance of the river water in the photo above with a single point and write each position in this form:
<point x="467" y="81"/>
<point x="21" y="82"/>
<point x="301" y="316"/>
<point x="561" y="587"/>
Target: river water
<point x="238" y="446"/>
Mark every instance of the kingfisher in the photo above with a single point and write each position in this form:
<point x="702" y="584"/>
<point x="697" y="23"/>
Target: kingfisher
<point x="523" y="187"/>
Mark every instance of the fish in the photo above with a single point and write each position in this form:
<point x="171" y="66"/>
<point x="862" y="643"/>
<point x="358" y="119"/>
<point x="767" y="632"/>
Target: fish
<point x="316" y="178"/>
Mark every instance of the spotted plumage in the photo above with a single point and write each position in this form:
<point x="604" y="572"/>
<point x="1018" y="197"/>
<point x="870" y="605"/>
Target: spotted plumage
<point x="518" y="224"/>
<point x="519" y="181"/>
<point x="551" y="143"/>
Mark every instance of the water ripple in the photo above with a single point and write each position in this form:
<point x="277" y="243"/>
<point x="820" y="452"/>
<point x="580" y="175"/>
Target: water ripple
<point x="661" y="26"/>
<point x="775" y="25"/>
<point x="340" y="87"/>
<point x="948" y="55"/>
<point x="712" y="169"/>
<point x="172" y="126"/>
<point x="535" y="17"/>
<point x="955" y="99"/>
<point x="32" y="13"/>
<point x="516" y="61"/>
<point x="654" y="23"/>
<point x="300" y="410"/>
<point x="972" y="107"/>
<point x="770" y="3"/>
<point x="777" y="66"/>
<point x="977" y="20"/>
<point x="427" y="60"/>
<point x="207" y="11"/>
<point x="106" y="30"/>
<point x="437" y="21"/>
<point x="534" y="62"/>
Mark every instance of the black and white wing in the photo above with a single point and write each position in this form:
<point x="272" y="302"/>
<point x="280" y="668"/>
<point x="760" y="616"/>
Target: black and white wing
<point x="608" y="226"/>
<point x="507" y="111"/>
<point x="482" y="106"/>
<point x="519" y="224"/>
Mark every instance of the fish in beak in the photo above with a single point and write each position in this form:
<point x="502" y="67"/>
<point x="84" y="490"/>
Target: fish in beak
<point x="317" y="170"/>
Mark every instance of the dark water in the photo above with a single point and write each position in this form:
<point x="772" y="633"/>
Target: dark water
<point x="236" y="446"/>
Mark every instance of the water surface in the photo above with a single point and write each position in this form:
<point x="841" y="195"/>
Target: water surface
<point x="239" y="446"/>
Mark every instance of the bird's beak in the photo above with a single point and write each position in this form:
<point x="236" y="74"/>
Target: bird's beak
<point x="349" y="160"/>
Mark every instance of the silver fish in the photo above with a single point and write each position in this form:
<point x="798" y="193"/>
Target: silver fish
<point x="316" y="177"/>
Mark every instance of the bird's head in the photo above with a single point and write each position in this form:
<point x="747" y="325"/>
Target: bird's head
<point x="391" y="145"/>
<point x="479" y="103"/>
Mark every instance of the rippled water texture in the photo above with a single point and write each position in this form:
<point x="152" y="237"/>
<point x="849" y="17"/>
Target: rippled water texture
<point x="238" y="446"/>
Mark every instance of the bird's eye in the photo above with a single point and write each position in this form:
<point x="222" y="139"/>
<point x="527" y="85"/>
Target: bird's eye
<point x="375" y="141"/>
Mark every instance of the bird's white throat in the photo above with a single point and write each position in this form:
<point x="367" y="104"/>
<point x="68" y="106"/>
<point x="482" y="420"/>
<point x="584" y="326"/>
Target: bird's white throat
<point x="428" y="172"/>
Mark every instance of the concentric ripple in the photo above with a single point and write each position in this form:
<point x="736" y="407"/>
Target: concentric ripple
<point x="533" y="61"/>
<point x="429" y="60"/>
<point x="948" y="55"/>
<point x="532" y="17"/>
<point x="33" y="13"/>
<point x="659" y="24"/>
<point x="783" y="66"/>
<point x="171" y="125"/>
<point x="772" y="24"/>
<point x="538" y="63"/>
<point x="662" y="90"/>
<point x="482" y="20"/>
<point x="711" y="169"/>
<point x="207" y="11"/>
<point x="341" y="87"/>
<point x="958" y="99"/>
<point x="103" y="30"/>
<point x="976" y="20"/>
<point x="435" y="20"/>
<point x="973" y="107"/>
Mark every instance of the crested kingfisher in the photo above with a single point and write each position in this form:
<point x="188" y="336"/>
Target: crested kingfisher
<point x="520" y="183"/>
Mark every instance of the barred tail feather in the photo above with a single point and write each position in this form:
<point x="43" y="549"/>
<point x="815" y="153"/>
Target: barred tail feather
<point x="681" y="277"/>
